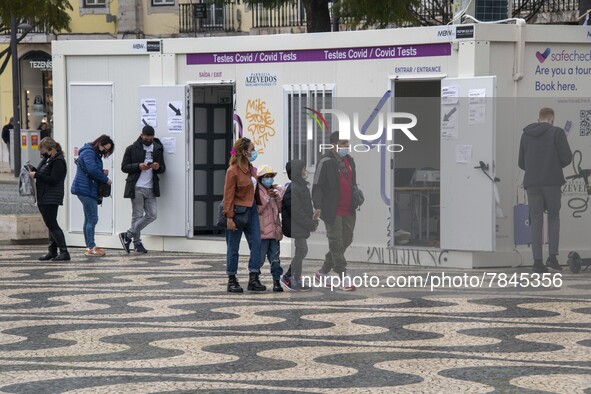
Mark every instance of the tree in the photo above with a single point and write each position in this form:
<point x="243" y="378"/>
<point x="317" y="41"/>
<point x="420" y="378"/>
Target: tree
<point x="358" y="13"/>
<point x="46" y="15"/>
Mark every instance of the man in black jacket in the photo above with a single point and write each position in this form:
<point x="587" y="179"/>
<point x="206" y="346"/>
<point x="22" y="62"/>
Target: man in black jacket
<point x="543" y="153"/>
<point x="6" y="133"/>
<point x="332" y="194"/>
<point x="143" y="161"/>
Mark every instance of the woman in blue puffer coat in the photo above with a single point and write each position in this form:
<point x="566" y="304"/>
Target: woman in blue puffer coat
<point x="89" y="175"/>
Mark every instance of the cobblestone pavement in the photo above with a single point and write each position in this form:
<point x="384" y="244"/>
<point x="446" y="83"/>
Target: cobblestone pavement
<point x="162" y="322"/>
<point x="11" y="203"/>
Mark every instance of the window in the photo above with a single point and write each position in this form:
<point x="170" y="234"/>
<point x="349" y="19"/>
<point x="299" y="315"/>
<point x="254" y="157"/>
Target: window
<point x="157" y="3"/>
<point x="299" y="121"/>
<point x="95" y="3"/>
<point x="215" y="16"/>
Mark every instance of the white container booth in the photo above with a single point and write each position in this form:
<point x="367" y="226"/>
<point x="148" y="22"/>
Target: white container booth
<point x="472" y="89"/>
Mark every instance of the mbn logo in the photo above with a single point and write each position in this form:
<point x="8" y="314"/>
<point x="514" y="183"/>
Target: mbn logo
<point x="345" y="124"/>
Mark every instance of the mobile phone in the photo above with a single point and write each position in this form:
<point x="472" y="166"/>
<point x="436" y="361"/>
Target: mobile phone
<point x="568" y="126"/>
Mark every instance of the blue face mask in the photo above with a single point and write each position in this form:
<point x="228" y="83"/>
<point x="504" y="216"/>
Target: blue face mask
<point x="253" y="156"/>
<point x="268" y="182"/>
<point x="343" y="152"/>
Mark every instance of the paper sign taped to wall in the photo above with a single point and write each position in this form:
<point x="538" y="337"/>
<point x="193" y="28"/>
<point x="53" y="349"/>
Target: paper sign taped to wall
<point x="477" y="96"/>
<point x="464" y="154"/>
<point x="476" y="114"/>
<point x="169" y="144"/>
<point x="449" y="122"/>
<point x="450" y="95"/>
<point x="175" y="122"/>
<point x="148" y="111"/>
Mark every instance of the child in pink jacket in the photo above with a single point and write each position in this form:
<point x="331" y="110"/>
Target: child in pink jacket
<point x="270" y="196"/>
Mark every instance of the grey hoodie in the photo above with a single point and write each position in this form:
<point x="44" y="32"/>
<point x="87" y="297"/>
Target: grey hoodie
<point x="543" y="153"/>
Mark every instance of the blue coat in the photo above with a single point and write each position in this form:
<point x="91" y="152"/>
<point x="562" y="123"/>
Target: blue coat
<point x="89" y="173"/>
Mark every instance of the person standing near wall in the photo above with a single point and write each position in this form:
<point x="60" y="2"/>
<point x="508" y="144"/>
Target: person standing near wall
<point x="143" y="161"/>
<point x="49" y="177"/>
<point x="297" y="220"/>
<point x="239" y="190"/>
<point x="6" y="133"/>
<point x="43" y="131"/>
<point x="543" y="153"/>
<point x="332" y="194"/>
<point x="89" y="175"/>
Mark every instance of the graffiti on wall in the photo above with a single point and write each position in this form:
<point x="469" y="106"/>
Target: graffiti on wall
<point x="260" y="123"/>
<point x="407" y="256"/>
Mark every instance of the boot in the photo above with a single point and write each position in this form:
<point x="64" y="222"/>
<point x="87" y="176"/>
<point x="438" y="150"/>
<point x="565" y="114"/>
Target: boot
<point x="50" y="255"/>
<point x="539" y="268"/>
<point x="233" y="285"/>
<point x="277" y="285"/>
<point x="63" y="256"/>
<point x="254" y="284"/>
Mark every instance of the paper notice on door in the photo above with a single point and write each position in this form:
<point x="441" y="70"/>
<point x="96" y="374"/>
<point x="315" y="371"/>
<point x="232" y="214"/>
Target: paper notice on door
<point x="450" y="95"/>
<point x="477" y="96"/>
<point x="148" y="111"/>
<point x="175" y="121"/>
<point x="464" y="154"/>
<point x="476" y="114"/>
<point x="169" y="144"/>
<point x="449" y="122"/>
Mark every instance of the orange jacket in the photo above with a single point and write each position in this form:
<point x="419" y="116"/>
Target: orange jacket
<point x="238" y="188"/>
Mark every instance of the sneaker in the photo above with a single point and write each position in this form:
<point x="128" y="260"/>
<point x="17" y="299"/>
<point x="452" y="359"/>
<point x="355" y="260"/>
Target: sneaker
<point x="96" y="252"/>
<point x="286" y="283"/>
<point x="539" y="267"/>
<point x="347" y="284"/>
<point x="297" y="285"/>
<point x="139" y="248"/>
<point x="323" y="278"/>
<point x="552" y="262"/>
<point x="125" y="241"/>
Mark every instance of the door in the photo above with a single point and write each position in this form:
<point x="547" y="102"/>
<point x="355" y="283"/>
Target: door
<point x="90" y="115"/>
<point x="166" y="109"/>
<point x="212" y="129"/>
<point x="467" y="140"/>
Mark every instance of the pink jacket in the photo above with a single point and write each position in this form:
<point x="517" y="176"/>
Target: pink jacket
<point x="269" y="214"/>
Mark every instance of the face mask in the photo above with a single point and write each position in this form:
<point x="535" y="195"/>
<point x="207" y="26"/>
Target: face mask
<point x="45" y="155"/>
<point x="268" y="182"/>
<point x="343" y="152"/>
<point x="253" y="156"/>
<point x="147" y="143"/>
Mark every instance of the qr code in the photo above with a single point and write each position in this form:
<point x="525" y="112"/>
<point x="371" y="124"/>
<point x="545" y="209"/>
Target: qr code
<point x="585" y="122"/>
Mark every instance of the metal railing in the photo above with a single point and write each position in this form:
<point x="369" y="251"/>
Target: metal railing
<point x="216" y="17"/>
<point x="286" y="15"/>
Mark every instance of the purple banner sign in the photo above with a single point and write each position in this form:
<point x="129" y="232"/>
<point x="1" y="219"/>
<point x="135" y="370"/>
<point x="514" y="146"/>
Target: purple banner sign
<point x="322" y="55"/>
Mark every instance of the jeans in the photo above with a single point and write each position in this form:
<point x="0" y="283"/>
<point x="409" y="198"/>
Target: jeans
<point x="90" y="207"/>
<point x="56" y="235"/>
<point x="301" y="251"/>
<point x="270" y="250"/>
<point x="144" y="201"/>
<point x="252" y="231"/>
<point x="540" y="199"/>
<point x="340" y="237"/>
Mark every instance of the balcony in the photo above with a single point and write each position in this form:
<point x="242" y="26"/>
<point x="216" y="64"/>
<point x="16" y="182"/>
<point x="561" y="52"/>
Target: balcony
<point x="202" y="17"/>
<point x="280" y="16"/>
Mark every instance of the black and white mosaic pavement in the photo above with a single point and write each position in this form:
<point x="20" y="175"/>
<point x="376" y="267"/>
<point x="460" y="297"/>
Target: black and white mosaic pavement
<point x="163" y="323"/>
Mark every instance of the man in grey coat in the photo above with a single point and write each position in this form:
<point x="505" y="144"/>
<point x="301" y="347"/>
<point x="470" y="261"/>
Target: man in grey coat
<point x="543" y="153"/>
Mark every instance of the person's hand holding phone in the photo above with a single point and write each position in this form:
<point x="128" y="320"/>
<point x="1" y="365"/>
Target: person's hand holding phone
<point x="144" y="166"/>
<point x="155" y="166"/>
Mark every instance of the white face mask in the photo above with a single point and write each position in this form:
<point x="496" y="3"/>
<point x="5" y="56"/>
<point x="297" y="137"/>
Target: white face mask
<point x="343" y="152"/>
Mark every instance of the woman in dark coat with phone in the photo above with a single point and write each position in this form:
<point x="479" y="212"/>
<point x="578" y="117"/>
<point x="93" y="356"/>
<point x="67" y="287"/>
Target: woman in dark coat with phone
<point x="49" y="179"/>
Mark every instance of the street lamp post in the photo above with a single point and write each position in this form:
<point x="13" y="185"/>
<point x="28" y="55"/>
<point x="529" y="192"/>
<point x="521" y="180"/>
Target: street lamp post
<point x="16" y="93"/>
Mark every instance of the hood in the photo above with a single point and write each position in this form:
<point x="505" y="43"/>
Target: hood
<point x="294" y="170"/>
<point x="537" y="129"/>
<point x="85" y="147"/>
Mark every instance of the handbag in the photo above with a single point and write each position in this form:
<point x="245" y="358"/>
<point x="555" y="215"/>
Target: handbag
<point x="104" y="190"/>
<point x="357" y="196"/>
<point x="240" y="216"/>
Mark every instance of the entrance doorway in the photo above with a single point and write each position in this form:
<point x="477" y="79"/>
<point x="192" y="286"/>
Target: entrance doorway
<point x="212" y="142"/>
<point x="416" y="169"/>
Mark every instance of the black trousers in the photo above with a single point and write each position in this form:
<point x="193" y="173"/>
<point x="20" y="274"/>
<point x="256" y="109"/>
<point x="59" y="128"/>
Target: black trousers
<point x="56" y="235"/>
